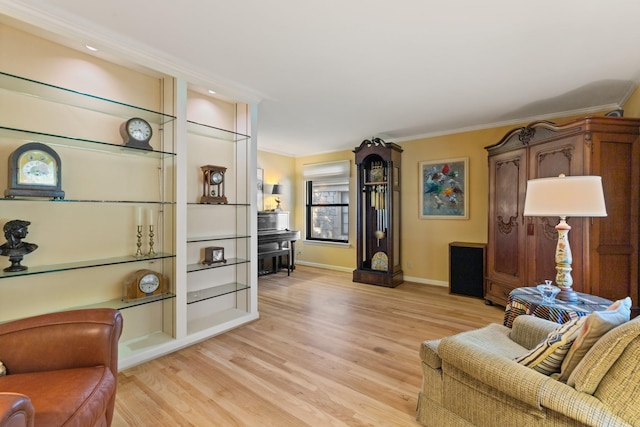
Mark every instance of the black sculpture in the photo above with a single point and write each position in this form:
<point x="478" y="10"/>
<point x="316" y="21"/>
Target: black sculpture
<point x="15" y="248"/>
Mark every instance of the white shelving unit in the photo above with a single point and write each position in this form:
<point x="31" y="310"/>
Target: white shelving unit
<point x="219" y="296"/>
<point x="87" y="240"/>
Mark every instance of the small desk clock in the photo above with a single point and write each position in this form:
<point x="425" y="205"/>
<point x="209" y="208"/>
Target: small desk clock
<point x="136" y="132"/>
<point x="214" y="255"/>
<point x="213" y="184"/>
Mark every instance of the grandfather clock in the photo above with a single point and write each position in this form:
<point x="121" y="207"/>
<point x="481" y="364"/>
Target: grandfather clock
<point x="378" y="213"/>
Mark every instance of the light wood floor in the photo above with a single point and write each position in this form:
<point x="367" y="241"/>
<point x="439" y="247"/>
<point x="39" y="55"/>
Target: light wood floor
<point x="325" y="352"/>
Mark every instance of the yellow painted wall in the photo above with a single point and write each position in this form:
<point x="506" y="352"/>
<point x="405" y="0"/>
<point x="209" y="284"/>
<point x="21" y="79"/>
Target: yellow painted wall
<point x="632" y="106"/>
<point x="278" y="169"/>
<point x="425" y="242"/>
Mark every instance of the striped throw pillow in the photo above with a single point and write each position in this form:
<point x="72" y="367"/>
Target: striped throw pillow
<point x="547" y="356"/>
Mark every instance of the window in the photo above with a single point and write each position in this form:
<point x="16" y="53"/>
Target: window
<point x="327" y="201"/>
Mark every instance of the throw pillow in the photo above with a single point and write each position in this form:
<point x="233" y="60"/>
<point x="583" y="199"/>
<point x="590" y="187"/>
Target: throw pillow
<point x="3" y="370"/>
<point x="595" y="326"/>
<point x="547" y="356"/>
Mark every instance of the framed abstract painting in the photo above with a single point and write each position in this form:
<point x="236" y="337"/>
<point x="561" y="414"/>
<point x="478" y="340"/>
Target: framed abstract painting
<point x="444" y="188"/>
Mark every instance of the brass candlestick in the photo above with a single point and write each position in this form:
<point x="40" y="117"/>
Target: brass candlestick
<point x="151" y="251"/>
<point x="139" y="244"/>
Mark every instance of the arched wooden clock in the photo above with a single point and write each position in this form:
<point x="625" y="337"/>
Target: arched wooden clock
<point x="145" y="283"/>
<point x="35" y="170"/>
<point x="213" y="184"/>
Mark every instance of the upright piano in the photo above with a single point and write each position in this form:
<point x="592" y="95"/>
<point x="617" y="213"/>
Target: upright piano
<point x="276" y="242"/>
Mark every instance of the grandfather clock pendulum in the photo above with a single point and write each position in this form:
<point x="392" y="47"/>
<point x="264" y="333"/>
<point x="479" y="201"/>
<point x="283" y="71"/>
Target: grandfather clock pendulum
<point x="378" y="213"/>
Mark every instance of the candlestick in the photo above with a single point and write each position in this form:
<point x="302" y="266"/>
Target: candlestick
<point x="151" y="251"/>
<point x="139" y="244"/>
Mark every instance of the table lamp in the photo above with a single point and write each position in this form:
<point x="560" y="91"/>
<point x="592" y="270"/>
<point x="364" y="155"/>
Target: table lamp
<point x="277" y="191"/>
<point x="565" y="196"/>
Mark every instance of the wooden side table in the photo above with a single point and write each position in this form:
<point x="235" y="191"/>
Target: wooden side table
<point x="529" y="301"/>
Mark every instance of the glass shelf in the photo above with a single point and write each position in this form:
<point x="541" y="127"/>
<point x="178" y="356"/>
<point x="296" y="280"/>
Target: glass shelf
<point x="84" y="144"/>
<point x="214" y="132"/>
<point x="53" y="268"/>
<point x="217" y="204"/>
<point x="215" y="292"/>
<point x="199" y="267"/>
<point x="79" y="99"/>
<point x="120" y="304"/>
<point x="212" y="238"/>
<point x="44" y="199"/>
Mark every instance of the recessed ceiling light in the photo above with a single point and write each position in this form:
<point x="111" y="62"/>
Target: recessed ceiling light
<point x="91" y="48"/>
<point x="212" y="92"/>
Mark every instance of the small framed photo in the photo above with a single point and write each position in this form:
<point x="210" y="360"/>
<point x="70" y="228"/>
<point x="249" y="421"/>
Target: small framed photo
<point x="260" y="201"/>
<point x="444" y="186"/>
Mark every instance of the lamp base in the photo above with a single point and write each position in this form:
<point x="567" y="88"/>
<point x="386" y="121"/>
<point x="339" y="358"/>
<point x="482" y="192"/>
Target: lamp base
<point x="568" y="295"/>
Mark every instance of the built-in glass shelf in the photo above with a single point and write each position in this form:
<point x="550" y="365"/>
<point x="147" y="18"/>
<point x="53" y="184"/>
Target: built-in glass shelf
<point x="214" y="132"/>
<point x="215" y="292"/>
<point x="212" y="238"/>
<point x="84" y="144"/>
<point x="87" y="101"/>
<point x="44" y="199"/>
<point x="217" y="204"/>
<point x="199" y="267"/>
<point x="120" y="304"/>
<point x="53" y="268"/>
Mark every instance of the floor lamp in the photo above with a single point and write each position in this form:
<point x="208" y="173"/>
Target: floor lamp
<point x="565" y="196"/>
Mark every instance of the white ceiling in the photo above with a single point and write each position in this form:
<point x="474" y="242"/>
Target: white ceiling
<point x="330" y="73"/>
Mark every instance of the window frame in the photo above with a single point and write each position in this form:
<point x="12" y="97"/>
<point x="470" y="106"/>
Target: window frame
<point x="309" y="206"/>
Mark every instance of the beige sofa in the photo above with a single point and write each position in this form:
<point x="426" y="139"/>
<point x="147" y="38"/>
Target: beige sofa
<point x="471" y="379"/>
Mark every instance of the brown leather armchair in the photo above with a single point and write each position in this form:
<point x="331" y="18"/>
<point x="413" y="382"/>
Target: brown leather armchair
<point x="62" y="369"/>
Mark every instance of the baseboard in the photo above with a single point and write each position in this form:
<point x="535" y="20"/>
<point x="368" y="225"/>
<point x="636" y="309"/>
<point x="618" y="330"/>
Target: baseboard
<point x="350" y="269"/>
<point x="325" y="266"/>
<point x="424" y="281"/>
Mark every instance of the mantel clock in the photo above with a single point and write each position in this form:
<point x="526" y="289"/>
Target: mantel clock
<point x="213" y="184"/>
<point x="35" y="170"/>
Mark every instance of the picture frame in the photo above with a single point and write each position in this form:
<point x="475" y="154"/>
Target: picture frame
<point x="260" y="199"/>
<point x="444" y="186"/>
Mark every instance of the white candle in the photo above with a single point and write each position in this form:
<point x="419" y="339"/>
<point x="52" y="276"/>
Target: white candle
<point x="139" y="216"/>
<point x="151" y="215"/>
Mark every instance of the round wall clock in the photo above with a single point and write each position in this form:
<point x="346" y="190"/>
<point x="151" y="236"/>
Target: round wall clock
<point x="213" y="184"/>
<point x="136" y="132"/>
<point x="144" y="283"/>
<point x="35" y="170"/>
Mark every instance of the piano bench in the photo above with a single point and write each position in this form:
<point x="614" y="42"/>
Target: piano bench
<point x="276" y="259"/>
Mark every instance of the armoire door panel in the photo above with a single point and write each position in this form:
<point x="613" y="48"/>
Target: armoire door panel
<point x="506" y="261"/>
<point x="614" y="238"/>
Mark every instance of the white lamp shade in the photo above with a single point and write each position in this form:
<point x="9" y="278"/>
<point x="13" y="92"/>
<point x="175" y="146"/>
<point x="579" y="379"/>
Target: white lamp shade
<point x="565" y="196"/>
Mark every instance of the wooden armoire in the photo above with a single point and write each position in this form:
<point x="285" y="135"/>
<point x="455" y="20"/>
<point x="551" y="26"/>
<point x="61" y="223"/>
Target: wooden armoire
<point x="520" y="250"/>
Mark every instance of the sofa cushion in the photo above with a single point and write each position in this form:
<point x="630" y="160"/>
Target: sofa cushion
<point x="547" y="356"/>
<point x="593" y="328"/>
<point x="429" y="354"/>
<point x="605" y="352"/>
<point x="69" y="397"/>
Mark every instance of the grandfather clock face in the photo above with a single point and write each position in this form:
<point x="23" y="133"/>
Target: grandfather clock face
<point x="213" y="180"/>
